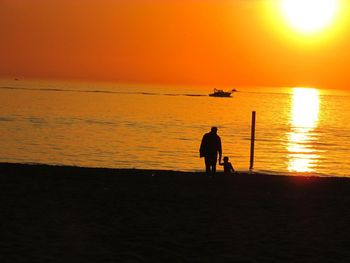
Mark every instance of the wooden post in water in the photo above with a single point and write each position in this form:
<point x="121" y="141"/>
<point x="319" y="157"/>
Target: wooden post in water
<point x="252" y="141"/>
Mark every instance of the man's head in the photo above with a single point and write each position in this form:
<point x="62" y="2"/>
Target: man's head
<point x="214" y="130"/>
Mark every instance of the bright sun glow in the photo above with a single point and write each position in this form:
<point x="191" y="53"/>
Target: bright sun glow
<point x="309" y="16"/>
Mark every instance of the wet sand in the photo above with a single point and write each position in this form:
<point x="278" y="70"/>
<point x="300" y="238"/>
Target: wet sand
<point x="72" y="214"/>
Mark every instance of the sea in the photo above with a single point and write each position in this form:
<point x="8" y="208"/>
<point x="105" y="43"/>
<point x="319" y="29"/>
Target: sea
<point x="298" y="130"/>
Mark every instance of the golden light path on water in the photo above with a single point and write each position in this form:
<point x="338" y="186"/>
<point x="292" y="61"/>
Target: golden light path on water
<point x="304" y="120"/>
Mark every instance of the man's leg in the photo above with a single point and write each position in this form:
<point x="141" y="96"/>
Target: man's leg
<point x="207" y="166"/>
<point x="213" y="169"/>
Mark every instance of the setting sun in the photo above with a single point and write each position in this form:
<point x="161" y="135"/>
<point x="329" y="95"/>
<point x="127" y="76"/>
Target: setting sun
<point x="309" y="16"/>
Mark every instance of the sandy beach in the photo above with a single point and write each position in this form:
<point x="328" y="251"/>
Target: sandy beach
<point x="72" y="214"/>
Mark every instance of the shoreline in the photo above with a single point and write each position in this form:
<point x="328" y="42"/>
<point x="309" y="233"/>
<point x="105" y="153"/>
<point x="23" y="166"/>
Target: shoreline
<point x="110" y="170"/>
<point x="75" y="214"/>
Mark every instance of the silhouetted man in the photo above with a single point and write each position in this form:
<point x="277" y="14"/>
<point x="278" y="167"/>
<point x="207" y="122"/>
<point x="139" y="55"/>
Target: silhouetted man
<point x="210" y="148"/>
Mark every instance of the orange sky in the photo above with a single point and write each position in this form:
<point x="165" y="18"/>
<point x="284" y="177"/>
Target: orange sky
<point x="214" y="42"/>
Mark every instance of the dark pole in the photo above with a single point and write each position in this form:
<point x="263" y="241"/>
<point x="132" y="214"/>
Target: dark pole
<point x="252" y="141"/>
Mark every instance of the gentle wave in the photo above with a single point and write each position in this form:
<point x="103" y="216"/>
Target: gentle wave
<point x="104" y="91"/>
<point x="6" y="119"/>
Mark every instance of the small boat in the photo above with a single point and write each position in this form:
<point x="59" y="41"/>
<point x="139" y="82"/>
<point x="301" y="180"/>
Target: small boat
<point x="221" y="93"/>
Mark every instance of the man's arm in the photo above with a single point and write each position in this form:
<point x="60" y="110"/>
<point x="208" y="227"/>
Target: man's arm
<point x="219" y="149"/>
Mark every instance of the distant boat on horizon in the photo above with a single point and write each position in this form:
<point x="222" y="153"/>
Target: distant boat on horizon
<point x="221" y="93"/>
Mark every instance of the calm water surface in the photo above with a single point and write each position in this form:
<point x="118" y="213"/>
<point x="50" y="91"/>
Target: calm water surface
<point x="111" y="125"/>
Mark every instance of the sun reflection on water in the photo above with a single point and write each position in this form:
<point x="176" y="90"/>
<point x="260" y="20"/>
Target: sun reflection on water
<point x="304" y="119"/>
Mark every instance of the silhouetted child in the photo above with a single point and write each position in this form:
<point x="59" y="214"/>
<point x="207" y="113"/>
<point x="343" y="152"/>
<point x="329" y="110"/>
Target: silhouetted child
<point x="228" y="168"/>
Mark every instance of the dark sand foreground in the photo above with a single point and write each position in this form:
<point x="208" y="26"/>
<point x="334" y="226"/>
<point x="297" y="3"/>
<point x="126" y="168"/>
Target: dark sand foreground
<point x="70" y="214"/>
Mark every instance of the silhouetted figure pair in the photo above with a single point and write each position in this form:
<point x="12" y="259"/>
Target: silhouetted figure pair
<point x="210" y="149"/>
